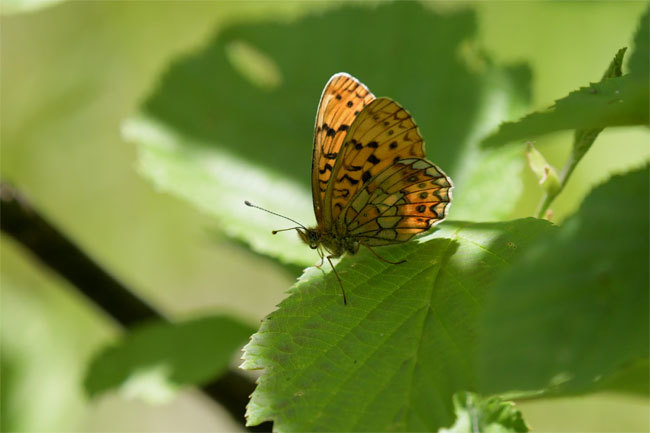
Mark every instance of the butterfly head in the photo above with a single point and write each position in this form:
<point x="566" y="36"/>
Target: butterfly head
<point x="310" y="237"/>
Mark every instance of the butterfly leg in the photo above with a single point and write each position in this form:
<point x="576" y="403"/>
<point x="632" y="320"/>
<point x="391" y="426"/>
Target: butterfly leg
<point x="322" y="258"/>
<point x="345" y="300"/>
<point x="383" y="259"/>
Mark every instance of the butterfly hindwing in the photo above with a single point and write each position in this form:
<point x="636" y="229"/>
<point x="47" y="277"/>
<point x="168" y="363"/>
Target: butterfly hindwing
<point x="406" y="198"/>
<point x="343" y="98"/>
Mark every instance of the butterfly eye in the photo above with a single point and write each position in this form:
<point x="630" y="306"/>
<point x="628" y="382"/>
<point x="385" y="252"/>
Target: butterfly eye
<point x="313" y="237"/>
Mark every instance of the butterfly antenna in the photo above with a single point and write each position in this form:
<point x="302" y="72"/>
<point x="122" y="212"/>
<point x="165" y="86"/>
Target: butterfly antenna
<point x="247" y="203"/>
<point x="284" y="230"/>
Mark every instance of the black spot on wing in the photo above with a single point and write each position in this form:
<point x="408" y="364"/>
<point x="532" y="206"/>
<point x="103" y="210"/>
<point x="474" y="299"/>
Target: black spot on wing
<point x="373" y="159"/>
<point x="344" y="192"/>
<point x="349" y="179"/>
<point x="325" y="169"/>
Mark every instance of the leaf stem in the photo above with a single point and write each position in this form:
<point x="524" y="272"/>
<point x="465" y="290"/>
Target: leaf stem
<point x="582" y="139"/>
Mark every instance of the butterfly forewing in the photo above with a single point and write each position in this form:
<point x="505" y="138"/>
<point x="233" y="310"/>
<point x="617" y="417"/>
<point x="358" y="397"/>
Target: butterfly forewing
<point x="381" y="135"/>
<point x="343" y="98"/>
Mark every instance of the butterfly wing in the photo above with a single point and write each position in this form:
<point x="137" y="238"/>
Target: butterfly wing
<point x="343" y="98"/>
<point x="404" y="199"/>
<point x="382" y="134"/>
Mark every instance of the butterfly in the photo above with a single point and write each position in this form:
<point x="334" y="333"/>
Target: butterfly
<point x="371" y="183"/>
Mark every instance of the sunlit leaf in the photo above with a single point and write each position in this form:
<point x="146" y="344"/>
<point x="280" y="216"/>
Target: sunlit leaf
<point x="405" y="343"/>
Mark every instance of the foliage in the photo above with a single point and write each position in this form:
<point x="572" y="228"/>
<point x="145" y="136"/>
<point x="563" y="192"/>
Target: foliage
<point x="208" y="126"/>
<point x="575" y="309"/>
<point x="392" y="358"/>
<point x="485" y="308"/>
<point x="151" y="362"/>
<point x="614" y="101"/>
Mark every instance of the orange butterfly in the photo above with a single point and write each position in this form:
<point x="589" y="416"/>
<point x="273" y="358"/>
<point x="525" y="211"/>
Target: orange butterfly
<point x="370" y="181"/>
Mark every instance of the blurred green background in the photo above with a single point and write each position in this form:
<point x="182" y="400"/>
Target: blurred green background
<point x="73" y="71"/>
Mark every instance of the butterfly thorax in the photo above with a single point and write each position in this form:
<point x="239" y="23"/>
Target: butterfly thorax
<point x="336" y="243"/>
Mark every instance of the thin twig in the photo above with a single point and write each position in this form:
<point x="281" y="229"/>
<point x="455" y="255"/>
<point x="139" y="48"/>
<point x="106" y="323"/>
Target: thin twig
<point x="26" y="226"/>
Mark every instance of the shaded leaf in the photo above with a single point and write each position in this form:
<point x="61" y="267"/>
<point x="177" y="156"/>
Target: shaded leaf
<point x="575" y="309"/>
<point x="154" y="360"/>
<point x="633" y="378"/>
<point x="234" y="120"/>
<point x="621" y="101"/>
<point x="584" y="138"/>
<point x="405" y="343"/>
<point x="639" y="60"/>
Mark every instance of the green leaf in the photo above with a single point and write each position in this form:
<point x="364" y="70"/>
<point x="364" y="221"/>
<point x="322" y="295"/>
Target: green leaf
<point x="584" y="138"/>
<point x="633" y="378"/>
<point x="575" y="309"/>
<point x="217" y="182"/>
<point x="582" y="141"/>
<point x="639" y="60"/>
<point x="488" y="415"/>
<point x="405" y="343"/>
<point x="157" y="358"/>
<point x="614" y="101"/>
<point x="621" y="101"/>
<point x="234" y="120"/>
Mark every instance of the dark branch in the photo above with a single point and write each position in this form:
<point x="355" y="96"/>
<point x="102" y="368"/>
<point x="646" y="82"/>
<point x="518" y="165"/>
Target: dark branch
<point x="20" y="221"/>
